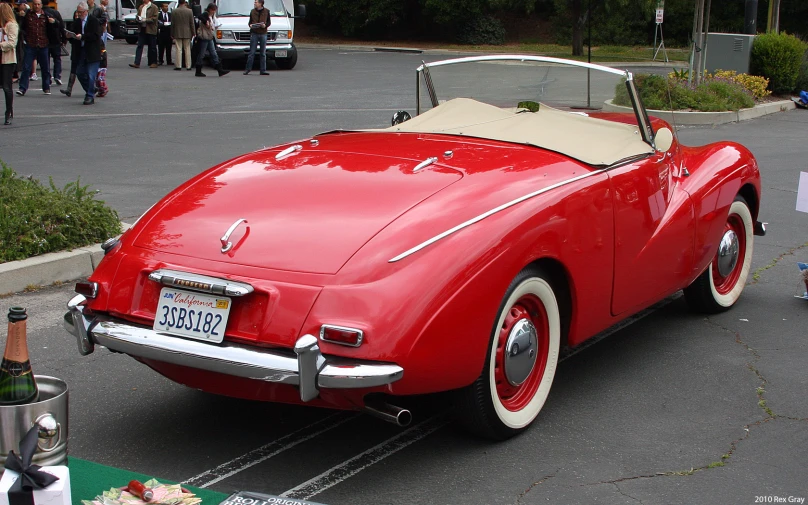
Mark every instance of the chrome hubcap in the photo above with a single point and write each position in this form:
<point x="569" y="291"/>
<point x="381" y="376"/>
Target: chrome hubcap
<point x="521" y="350"/>
<point x="728" y="253"/>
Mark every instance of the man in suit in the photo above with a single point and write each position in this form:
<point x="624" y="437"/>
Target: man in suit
<point x="182" y="30"/>
<point x="56" y="40"/>
<point x="86" y="52"/>
<point x="147" y="14"/>
<point x="164" y="35"/>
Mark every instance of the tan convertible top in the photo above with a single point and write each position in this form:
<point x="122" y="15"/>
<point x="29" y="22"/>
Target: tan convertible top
<point x="590" y="140"/>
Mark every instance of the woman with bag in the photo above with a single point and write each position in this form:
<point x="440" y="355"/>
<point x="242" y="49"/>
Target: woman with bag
<point x="206" y="36"/>
<point x="9" y="31"/>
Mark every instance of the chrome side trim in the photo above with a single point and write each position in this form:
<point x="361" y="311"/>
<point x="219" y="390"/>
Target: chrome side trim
<point x="490" y="213"/>
<point x="306" y="367"/>
<point x="522" y="57"/>
<point x="201" y="283"/>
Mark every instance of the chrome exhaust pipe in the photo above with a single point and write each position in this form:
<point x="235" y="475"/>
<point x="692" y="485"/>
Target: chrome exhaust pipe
<point x="389" y="413"/>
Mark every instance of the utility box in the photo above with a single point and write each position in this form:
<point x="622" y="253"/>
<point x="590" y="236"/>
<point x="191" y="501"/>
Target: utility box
<point x="728" y="51"/>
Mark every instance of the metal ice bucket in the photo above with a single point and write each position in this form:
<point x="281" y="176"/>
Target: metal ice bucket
<point x="49" y="413"/>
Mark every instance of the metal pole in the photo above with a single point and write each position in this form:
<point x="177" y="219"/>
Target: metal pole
<point x="704" y="38"/>
<point x="697" y="36"/>
<point x="695" y="49"/>
<point x="776" y="16"/>
<point x="750" y="17"/>
<point x="589" y="55"/>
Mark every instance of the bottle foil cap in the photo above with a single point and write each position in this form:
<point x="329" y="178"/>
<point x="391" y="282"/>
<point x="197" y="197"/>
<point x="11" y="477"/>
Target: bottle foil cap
<point x="17" y="314"/>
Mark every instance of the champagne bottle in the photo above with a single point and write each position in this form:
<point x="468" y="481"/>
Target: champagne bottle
<point x="17" y="384"/>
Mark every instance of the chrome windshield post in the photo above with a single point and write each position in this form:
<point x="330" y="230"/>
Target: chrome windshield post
<point x="643" y="121"/>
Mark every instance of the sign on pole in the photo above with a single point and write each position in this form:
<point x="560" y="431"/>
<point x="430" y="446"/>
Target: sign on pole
<point x="802" y="193"/>
<point x="660" y="11"/>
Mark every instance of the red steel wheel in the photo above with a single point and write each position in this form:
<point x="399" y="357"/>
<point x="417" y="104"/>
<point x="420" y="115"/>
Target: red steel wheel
<point x="527" y="312"/>
<point x="720" y="285"/>
<point x="520" y="363"/>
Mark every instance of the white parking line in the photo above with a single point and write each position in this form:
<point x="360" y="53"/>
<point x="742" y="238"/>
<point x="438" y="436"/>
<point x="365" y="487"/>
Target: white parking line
<point x="372" y="456"/>
<point x="203" y="113"/>
<point x="267" y="451"/>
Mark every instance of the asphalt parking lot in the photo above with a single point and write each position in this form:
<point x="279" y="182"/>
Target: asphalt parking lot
<point x="671" y="408"/>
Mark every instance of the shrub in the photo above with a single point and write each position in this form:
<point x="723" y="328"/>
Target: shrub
<point x="754" y="84"/>
<point x="778" y="57"/>
<point x="712" y="95"/>
<point x="802" y="80"/>
<point x="35" y="219"/>
<point x="482" y="30"/>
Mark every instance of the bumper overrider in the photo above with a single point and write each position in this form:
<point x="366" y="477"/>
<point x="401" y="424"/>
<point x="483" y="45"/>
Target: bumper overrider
<point x="306" y="367"/>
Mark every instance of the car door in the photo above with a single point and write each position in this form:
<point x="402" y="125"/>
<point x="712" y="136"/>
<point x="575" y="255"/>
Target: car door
<point x="654" y="231"/>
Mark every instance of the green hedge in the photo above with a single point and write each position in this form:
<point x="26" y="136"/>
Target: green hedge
<point x="778" y="57"/>
<point x="35" y="219"/>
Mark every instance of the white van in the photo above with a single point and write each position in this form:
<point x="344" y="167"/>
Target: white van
<point x="233" y="32"/>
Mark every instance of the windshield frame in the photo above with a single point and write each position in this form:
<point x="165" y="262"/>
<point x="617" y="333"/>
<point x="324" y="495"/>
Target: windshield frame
<point x="643" y="121"/>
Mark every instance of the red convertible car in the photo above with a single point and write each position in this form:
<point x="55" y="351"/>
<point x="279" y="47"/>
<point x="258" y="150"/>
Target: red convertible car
<point x="461" y="249"/>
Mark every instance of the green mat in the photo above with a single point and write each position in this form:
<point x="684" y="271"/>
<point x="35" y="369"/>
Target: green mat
<point x="88" y="480"/>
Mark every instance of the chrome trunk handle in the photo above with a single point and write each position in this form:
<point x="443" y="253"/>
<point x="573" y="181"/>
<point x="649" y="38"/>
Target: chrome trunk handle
<point x="226" y="244"/>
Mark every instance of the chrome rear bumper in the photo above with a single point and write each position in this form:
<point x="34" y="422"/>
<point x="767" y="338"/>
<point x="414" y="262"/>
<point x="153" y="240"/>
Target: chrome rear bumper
<point x="306" y="367"/>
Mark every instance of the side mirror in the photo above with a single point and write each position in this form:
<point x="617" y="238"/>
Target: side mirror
<point x="301" y="12"/>
<point x="663" y="140"/>
<point x="400" y="116"/>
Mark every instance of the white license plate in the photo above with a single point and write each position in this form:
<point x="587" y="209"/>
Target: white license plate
<point x="192" y="315"/>
<point x="131" y="32"/>
<point x="280" y="54"/>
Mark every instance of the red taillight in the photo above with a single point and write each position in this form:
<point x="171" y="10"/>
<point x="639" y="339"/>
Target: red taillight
<point x="341" y="335"/>
<point x="88" y="289"/>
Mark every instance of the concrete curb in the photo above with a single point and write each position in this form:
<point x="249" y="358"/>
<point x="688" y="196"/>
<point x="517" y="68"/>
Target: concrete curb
<point x="50" y="268"/>
<point x="711" y="118"/>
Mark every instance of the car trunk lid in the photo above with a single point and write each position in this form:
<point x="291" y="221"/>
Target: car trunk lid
<point x="308" y="211"/>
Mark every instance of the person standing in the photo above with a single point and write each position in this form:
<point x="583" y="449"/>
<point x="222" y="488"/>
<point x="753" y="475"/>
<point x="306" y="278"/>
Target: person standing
<point x="182" y="31"/>
<point x="36" y="47"/>
<point x="147" y="17"/>
<point x="206" y="35"/>
<point x="72" y="79"/>
<point x="20" y="12"/>
<point x="259" y="21"/>
<point x="164" y="35"/>
<point x="86" y="43"/>
<point x="110" y="16"/>
<point x="9" y="30"/>
<point x="56" y="39"/>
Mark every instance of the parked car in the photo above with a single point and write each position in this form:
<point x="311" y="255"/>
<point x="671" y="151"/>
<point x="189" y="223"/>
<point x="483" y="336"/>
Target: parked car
<point x="459" y="250"/>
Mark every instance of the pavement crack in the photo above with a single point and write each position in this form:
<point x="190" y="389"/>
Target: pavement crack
<point x="625" y="494"/>
<point x="789" y="252"/>
<point x="530" y="488"/>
